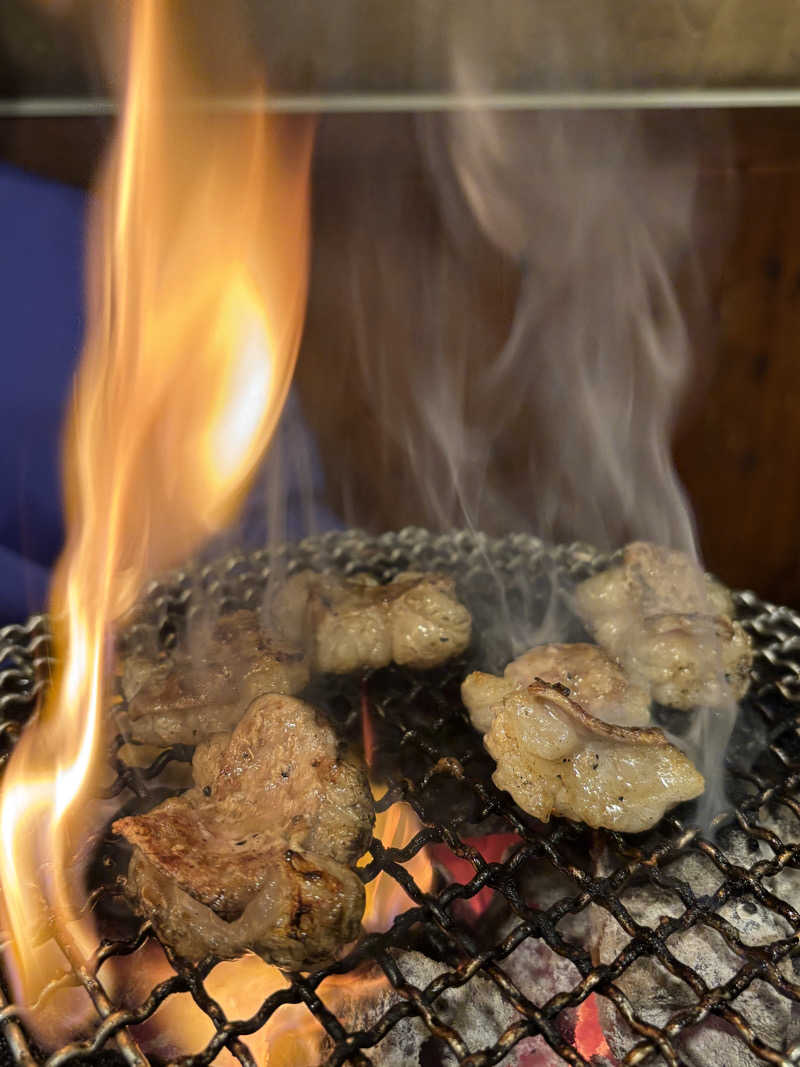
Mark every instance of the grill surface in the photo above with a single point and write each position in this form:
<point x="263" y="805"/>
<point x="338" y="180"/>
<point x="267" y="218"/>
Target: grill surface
<point x="426" y="753"/>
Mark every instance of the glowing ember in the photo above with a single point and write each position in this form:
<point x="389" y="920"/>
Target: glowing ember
<point x="492" y="847"/>
<point x="589" y="1037"/>
<point x="367" y="729"/>
<point x="197" y="291"/>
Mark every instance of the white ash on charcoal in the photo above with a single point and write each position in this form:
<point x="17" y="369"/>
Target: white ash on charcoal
<point x="656" y="995"/>
<point x="538" y="971"/>
<point x="543" y="885"/>
<point x="478" y="1011"/>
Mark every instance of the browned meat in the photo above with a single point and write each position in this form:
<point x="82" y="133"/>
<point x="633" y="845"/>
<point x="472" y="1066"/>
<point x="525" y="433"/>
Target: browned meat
<point x="556" y="759"/>
<point x="349" y="624"/>
<point x="283" y="758"/>
<point x="184" y="704"/>
<point x="648" y="611"/>
<point x="267" y="834"/>
<point x="220" y="864"/>
<point x="192" y="697"/>
<point x="308" y="907"/>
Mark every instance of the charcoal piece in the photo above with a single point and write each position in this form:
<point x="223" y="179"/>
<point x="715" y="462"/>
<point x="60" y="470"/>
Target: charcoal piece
<point x="538" y="971"/>
<point x="656" y="995"/>
<point x="477" y="1010"/>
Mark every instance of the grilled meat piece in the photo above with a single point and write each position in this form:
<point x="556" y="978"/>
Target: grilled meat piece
<point x="183" y="704"/>
<point x="648" y="612"/>
<point x="349" y="624"/>
<point x="483" y="695"/>
<point x="283" y="759"/>
<point x="593" y="679"/>
<point x="691" y="660"/>
<point x="554" y="758"/>
<point x="651" y="580"/>
<point x="192" y="697"/>
<point x="307" y="908"/>
<point x="257" y="855"/>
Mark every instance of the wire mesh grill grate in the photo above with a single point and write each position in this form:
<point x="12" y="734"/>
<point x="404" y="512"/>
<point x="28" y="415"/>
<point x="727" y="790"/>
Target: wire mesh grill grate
<point x="687" y="938"/>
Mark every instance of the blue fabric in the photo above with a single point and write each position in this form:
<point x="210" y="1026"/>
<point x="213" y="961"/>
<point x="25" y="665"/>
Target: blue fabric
<point x="41" y="323"/>
<point x="41" y="319"/>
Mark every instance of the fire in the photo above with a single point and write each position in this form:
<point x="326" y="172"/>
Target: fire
<point x="386" y="898"/>
<point x="394" y="828"/>
<point x="197" y="287"/>
<point x="292" y="1038"/>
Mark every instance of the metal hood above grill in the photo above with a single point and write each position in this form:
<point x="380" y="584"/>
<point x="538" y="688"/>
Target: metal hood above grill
<point x="364" y="54"/>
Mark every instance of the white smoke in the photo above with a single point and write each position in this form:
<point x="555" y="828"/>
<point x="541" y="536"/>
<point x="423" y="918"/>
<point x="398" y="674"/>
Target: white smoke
<point x="598" y="356"/>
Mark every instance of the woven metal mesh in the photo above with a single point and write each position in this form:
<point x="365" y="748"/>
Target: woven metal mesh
<point x="611" y="913"/>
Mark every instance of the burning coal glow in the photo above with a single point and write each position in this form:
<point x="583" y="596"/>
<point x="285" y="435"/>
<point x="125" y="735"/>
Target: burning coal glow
<point x="197" y="289"/>
<point x="589" y="1037"/>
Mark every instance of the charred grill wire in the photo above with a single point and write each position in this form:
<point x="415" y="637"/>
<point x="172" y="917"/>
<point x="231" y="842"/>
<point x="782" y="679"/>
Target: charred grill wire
<point x="426" y="754"/>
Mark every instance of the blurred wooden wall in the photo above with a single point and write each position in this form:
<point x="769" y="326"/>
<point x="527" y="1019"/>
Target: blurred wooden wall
<point x="738" y="446"/>
<point x="739" y="450"/>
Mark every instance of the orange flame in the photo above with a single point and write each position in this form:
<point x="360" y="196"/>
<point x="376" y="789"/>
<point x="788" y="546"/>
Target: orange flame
<point x="386" y="898"/>
<point x="292" y="1037"/>
<point x="394" y="828"/>
<point x="197" y="287"/>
